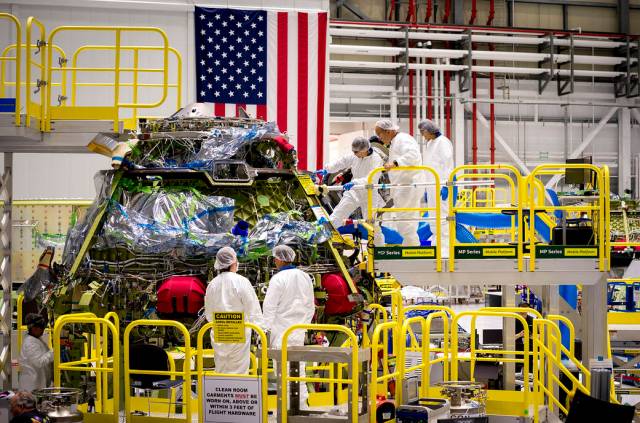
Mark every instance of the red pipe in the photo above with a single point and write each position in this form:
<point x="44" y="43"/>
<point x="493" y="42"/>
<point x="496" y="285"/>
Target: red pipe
<point x="411" y="13"/>
<point x="474" y="12"/>
<point x="411" y="102"/>
<point x="492" y="113"/>
<point x="478" y="28"/>
<point x="392" y="9"/>
<point x="427" y="17"/>
<point x="474" y="119"/>
<point x="447" y="11"/>
<point x="492" y="106"/>
<point x="492" y="12"/>
<point x="447" y="103"/>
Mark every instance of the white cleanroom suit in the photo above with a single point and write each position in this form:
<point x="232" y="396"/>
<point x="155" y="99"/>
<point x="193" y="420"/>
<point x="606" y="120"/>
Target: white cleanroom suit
<point x="405" y="151"/>
<point x="356" y="196"/>
<point x="439" y="156"/>
<point x="36" y="361"/>
<point x="289" y="301"/>
<point x="230" y="292"/>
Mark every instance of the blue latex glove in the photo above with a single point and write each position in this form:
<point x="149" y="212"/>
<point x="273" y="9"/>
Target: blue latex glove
<point x="444" y="193"/>
<point x="347" y="186"/>
<point x="321" y="174"/>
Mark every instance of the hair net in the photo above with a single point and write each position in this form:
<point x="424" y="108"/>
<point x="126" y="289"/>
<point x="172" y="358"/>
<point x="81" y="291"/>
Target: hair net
<point x="35" y="320"/>
<point x="225" y="257"/>
<point x="284" y="253"/>
<point x="387" y="125"/>
<point x="429" y="126"/>
<point x="360" y="144"/>
<point x="23" y="399"/>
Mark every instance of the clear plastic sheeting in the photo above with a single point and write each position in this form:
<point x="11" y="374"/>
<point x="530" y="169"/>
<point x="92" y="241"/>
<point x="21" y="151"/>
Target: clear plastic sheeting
<point x="181" y="223"/>
<point x="77" y="233"/>
<point x="285" y="228"/>
<point x="223" y="143"/>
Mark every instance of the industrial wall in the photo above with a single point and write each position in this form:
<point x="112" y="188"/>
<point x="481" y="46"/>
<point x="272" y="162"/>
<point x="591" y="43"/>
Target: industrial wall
<point x="535" y="132"/>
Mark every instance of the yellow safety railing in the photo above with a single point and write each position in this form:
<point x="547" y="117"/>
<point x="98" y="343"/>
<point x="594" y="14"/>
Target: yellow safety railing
<point x="434" y="211"/>
<point x="262" y="366"/>
<point x="36" y="109"/>
<point x="4" y="83"/>
<point x="548" y="348"/>
<point x="135" y="70"/>
<point x="110" y="112"/>
<point x="492" y="355"/>
<point x="17" y="60"/>
<point x="172" y="373"/>
<point x="99" y="361"/>
<point x="387" y="375"/>
<point x="597" y="210"/>
<point x="353" y="381"/>
<point x="513" y="179"/>
<point x="424" y="347"/>
<point x="378" y="315"/>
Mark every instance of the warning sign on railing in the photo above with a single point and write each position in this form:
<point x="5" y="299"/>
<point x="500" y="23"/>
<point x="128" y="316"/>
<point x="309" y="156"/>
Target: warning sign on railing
<point x="228" y="328"/>
<point x="232" y="399"/>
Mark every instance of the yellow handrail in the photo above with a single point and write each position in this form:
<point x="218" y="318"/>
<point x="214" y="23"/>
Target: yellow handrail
<point x="186" y="366"/>
<point x="386" y="376"/>
<point x="373" y="211"/>
<point x="36" y="110"/>
<point x="455" y="359"/>
<point x="353" y="381"/>
<point x="600" y="206"/>
<point x="426" y="350"/>
<point x="104" y="363"/>
<point x="513" y="179"/>
<point x="116" y="69"/>
<point x="17" y="59"/>
<point x="135" y="70"/>
<point x="201" y="372"/>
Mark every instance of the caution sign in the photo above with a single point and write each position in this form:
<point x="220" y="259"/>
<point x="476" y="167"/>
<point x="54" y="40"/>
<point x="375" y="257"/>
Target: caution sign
<point x="396" y="253"/>
<point x="232" y="400"/>
<point x="485" y="252"/>
<point x="563" y="251"/>
<point x="387" y="284"/>
<point x="307" y="184"/>
<point x="228" y="328"/>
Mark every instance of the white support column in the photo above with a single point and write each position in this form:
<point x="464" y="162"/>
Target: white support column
<point x="508" y="336"/>
<point x="519" y="163"/>
<point x="594" y="320"/>
<point x="394" y="107"/>
<point x="624" y="150"/>
<point x="586" y="142"/>
<point x="458" y="128"/>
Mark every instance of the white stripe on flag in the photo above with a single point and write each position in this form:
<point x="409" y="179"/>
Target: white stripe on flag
<point x="312" y="114"/>
<point x="292" y="80"/>
<point x="230" y="109"/>
<point x="252" y="110"/>
<point x="272" y="66"/>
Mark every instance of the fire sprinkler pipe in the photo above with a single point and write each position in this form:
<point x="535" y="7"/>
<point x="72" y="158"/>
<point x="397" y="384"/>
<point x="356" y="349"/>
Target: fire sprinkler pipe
<point x="447" y="11"/>
<point x="427" y="16"/>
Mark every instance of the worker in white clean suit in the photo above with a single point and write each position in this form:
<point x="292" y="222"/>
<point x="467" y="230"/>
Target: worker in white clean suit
<point x="363" y="160"/>
<point x="36" y="358"/>
<point x="289" y="301"/>
<point x="439" y="156"/>
<point x="403" y="151"/>
<point x="230" y="292"/>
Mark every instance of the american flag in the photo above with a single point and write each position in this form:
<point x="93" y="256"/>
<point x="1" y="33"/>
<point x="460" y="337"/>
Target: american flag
<point x="271" y="63"/>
